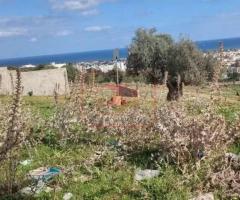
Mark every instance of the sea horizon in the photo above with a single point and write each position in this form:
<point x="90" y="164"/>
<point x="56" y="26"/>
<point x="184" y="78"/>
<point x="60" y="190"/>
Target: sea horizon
<point x="105" y="54"/>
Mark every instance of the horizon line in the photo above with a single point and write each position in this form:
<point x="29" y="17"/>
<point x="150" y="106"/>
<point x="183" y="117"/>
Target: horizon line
<point x="98" y="50"/>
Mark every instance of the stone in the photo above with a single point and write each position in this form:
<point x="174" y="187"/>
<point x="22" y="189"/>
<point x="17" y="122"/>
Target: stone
<point x="233" y="157"/>
<point x="207" y="196"/>
<point x="67" y="196"/>
<point x="146" y="174"/>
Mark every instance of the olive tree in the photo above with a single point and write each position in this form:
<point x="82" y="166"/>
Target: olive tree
<point x="155" y="54"/>
<point x="186" y="65"/>
<point x="148" y="54"/>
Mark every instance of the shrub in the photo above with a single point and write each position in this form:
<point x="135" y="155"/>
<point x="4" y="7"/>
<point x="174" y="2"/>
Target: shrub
<point x="30" y="93"/>
<point x="168" y="131"/>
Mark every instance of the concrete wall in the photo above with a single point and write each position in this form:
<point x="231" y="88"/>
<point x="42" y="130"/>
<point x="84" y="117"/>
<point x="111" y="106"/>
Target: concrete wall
<point x="5" y="82"/>
<point x="41" y="83"/>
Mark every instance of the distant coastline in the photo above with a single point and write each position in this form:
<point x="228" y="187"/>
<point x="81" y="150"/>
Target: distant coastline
<point x="106" y="55"/>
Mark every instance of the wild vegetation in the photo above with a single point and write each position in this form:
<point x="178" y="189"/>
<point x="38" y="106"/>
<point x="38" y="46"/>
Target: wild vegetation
<point x="192" y="143"/>
<point x="100" y="148"/>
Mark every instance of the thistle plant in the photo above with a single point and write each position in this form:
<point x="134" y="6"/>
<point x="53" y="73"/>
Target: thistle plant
<point x="72" y="108"/>
<point x="14" y="135"/>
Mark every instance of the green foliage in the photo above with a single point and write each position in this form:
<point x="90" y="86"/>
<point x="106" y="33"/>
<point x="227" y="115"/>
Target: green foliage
<point x="130" y="78"/>
<point x="185" y="59"/>
<point x="234" y="76"/>
<point x="235" y="148"/>
<point x="152" y="54"/>
<point x="51" y="139"/>
<point x="100" y="77"/>
<point x="30" y="93"/>
<point x="112" y="75"/>
<point x="148" y="54"/>
<point x="71" y="71"/>
<point x="211" y="63"/>
<point x="230" y="112"/>
<point x="104" y="77"/>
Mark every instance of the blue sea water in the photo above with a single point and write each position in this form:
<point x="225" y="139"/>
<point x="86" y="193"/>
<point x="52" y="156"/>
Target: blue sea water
<point x="101" y="55"/>
<point x="208" y="45"/>
<point x="106" y="55"/>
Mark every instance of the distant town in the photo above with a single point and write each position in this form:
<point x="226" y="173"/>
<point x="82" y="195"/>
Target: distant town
<point x="103" y="66"/>
<point x="230" y="58"/>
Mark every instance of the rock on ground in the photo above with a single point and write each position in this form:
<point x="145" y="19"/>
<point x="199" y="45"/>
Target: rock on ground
<point x="207" y="196"/>
<point x="146" y="174"/>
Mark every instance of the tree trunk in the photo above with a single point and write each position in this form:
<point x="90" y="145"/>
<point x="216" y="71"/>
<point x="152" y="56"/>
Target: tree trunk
<point x="165" y="78"/>
<point x="175" y="88"/>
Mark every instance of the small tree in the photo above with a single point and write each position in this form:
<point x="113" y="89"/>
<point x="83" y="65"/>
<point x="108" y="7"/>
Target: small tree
<point x="112" y="75"/>
<point x="71" y="71"/>
<point x="148" y="54"/>
<point x="155" y="54"/>
<point x="212" y="67"/>
<point x="185" y="65"/>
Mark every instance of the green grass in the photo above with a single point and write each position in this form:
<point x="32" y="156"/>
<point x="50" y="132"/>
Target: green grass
<point x="235" y="148"/>
<point x="106" y="180"/>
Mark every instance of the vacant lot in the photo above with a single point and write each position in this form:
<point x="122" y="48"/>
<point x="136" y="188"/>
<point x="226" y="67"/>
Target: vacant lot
<point x="100" y="149"/>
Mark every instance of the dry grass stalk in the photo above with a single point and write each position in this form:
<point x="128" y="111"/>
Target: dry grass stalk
<point x="180" y="138"/>
<point x="14" y="135"/>
<point x="71" y="110"/>
<point x="55" y="95"/>
<point x="226" y="176"/>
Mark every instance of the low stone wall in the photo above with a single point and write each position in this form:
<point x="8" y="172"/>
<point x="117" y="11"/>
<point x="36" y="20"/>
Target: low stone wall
<point x="40" y="83"/>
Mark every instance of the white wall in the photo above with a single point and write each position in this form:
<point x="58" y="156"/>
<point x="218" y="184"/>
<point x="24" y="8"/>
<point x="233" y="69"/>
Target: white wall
<point x="41" y="83"/>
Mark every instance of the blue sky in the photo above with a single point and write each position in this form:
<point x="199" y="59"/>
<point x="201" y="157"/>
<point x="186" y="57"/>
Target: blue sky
<point x="39" y="27"/>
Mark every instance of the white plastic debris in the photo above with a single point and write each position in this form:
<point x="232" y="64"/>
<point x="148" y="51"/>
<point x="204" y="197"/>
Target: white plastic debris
<point x="67" y="196"/>
<point x="34" y="190"/>
<point x="37" y="173"/>
<point x="207" y="196"/>
<point x="25" y="162"/>
<point x="27" y="191"/>
<point x="146" y="174"/>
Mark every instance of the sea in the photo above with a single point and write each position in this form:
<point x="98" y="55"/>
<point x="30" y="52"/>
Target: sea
<point x="106" y="55"/>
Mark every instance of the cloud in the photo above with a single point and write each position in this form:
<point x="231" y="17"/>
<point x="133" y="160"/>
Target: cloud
<point x="90" y="12"/>
<point x="33" y="39"/>
<point x="63" y="33"/>
<point x="97" y="28"/>
<point x="75" y="4"/>
<point x="11" y="32"/>
<point x="34" y="26"/>
<point x="86" y="7"/>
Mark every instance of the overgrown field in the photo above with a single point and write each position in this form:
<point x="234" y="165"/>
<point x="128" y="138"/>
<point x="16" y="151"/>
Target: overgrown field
<point x="100" y="148"/>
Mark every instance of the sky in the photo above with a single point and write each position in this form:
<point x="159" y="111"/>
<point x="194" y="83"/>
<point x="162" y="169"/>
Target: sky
<point x="41" y="27"/>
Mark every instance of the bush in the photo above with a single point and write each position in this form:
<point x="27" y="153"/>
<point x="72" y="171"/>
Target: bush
<point x="71" y="72"/>
<point x="30" y="93"/>
<point x="169" y="131"/>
